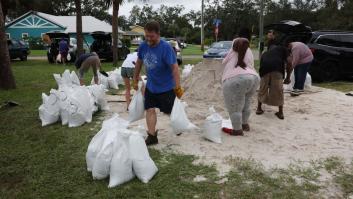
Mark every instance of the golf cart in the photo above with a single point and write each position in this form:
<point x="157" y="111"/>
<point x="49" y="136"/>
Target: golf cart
<point x="102" y="45"/>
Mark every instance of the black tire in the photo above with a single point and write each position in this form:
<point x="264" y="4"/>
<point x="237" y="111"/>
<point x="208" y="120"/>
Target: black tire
<point x="329" y="71"/>
<point x="23" y="57"/>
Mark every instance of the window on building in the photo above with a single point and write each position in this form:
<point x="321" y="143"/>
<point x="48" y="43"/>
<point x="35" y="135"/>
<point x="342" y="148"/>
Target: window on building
<point x="25" y="36"/>
<point x="8" y="36"/>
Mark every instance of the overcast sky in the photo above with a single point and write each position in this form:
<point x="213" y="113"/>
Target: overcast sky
<point x="188" y="4"/>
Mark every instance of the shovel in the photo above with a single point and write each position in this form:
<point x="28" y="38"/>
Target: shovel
<point x="103" y="73"/>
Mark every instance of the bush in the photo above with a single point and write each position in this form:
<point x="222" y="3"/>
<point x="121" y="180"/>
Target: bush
<point x="127" y="42"/>
<point x="36" y="43"/>
<point x="208" y="41"/>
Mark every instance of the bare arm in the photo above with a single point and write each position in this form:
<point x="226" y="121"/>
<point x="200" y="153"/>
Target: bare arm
<point x="137" y="72"/>
<point x="176" y="75"/>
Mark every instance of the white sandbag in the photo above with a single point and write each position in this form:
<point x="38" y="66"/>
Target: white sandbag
<point x="49" y="111"/>
<point x="118" y="77"/>
<point x="179" y="119"/>
<point x="212" y="128"/>
<point x="136" y="107"/>
<point x="308" y="82"/>
<point x="58" y="58"/>
<point x="97" y="141"/>
<point x="64" y="93"/>
<point x="142" y="164"/>
<point x="227" y="124"/>
<point x="98" y="93"/>
<point x="80" y="108"/>
<point x="101" y="80"/>
<point x="101" y="167"/>
<point x="74" y="78"/>
<point x="112" y="80"/>
<point x="121" y="164"/>
<point x="66" y="78"/>
<point x="187" y="70"/>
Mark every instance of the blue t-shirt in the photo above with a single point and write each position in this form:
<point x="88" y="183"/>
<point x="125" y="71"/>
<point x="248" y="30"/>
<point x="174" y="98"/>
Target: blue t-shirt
<point x="158" y="61"/>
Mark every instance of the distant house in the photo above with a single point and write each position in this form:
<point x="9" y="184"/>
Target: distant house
<point x="136" y="34"/>
<point x="36" y="24"/>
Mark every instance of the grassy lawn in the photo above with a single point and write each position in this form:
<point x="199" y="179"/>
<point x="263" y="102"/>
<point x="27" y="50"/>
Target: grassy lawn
<point x="192" y="50"/>
<point x="344" y="86"/>
<point x="38" y="53"/>
<point x="49" y="162"/>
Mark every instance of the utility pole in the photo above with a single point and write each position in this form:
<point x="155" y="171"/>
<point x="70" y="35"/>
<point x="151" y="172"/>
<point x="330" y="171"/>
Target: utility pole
<point x="202" y="26"/>
<point x="261" y="29"/>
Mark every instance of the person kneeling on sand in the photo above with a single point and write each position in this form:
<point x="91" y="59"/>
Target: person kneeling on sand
<point x="272" y="71"/>
<point x="85" y="62"/>
<point x="163" y="76"/>
<point x="240" y="82"/>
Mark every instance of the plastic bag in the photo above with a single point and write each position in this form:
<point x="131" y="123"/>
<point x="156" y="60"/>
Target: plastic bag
<point x="74" y="78"/>
<point x="49" y="111"/>
<point x="213" y="127"/>
<point x="136" y="107"/>
<point x="98" y="93"/>
<point x="142" y="164"/>
<point x="101" y="166"/>
<point x="80" y="110"/>
<point x="307" y="84"/>
<point x="64" y="93"/>
<point x="121" y="164"/>
<point x="179" y="119"/>
<point x="112" y="80"/>
<point x="58" y="80"/>
<point x="68" y="57"/>
<point x="58" y="58"/>
<point x="118" y="77"/>
<point x="66" y="78"/>
<point x="101" y="80"/>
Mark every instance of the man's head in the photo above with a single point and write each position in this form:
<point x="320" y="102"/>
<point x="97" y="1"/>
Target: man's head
<point x="152" y="33"/>
<point x="270" y="35"/>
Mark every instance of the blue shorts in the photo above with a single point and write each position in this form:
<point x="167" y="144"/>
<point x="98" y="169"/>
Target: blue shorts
<point x="163" y="101"/>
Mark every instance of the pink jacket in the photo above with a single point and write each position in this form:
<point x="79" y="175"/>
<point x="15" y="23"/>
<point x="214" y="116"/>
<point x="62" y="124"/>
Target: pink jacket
<point x="300" y="54"/>
<point x="232" y="59"/>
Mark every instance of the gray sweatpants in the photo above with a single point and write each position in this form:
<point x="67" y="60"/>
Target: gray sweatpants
<point x="238" y="92"/>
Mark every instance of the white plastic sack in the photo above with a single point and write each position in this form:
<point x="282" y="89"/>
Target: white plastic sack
<point x="213" y="127"/>
<point x="101" y="80"/>
<point x="74" y="78"/>
<point x="49" y="111"/>
<point x="118" y="77"/>
<point x="307" y="85"/>
<point x="121" y="164"/>
<point x="136" y="107"/>
<point x="179" y="119"/>
<point x="66" y="78"/>
<point x="58" y="80"/>
<point x="142" y="164"/>
<point x="58" y="58"/>
<point x="68" y="57"/>
<point x="80" y="110"/>
<point x="101" y="167"/>
<point x="97" y="141"/>
<point x="98" y="93"/>
<point x="186" y="71"/>
<point x="64" y="93"/>
<point x="112" y="80"/>
<point x="227" y="124"/>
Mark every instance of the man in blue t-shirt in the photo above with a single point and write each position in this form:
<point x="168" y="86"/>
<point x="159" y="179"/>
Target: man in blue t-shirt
<point x="163" y="78"/>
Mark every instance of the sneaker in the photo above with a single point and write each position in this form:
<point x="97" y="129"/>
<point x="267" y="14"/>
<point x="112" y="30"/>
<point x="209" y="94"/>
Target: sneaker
<point x="295" y="93"/>
<point x="151" y="139"/>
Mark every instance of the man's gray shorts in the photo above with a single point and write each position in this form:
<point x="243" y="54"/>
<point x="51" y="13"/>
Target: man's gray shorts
<point x="127" y="72"/>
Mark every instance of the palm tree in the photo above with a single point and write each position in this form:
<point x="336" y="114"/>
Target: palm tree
<point x="79" y="35"/>
<point x="7" y="80"/>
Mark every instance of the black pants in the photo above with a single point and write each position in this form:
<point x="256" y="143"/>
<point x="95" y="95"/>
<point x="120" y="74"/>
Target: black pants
<point x="163" y="101"/>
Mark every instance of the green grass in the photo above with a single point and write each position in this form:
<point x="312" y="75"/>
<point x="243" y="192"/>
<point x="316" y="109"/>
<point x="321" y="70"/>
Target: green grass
<point x="343" y="86"/>
<point x="49" y="162"/>
<point x="38" y="53"/>
<point x="192" y="50"/>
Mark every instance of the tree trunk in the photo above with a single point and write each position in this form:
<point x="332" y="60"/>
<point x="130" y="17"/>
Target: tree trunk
<point x="115" y="32"/>
<point x="79" y="35"/>
<point x="7" y="80"/>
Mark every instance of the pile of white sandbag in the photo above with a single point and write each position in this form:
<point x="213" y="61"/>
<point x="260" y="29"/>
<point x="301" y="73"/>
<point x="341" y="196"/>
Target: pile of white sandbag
<point x="186" y="71"/>
<point x="307" y="85"/>
<point x="119" y="153"/>
<point x="113" y="80"/>
<point x="73" y="104"/>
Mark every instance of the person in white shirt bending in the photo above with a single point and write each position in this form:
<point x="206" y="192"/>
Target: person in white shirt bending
<point x="127" y="72"/>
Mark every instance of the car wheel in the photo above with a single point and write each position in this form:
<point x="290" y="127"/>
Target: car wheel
<point x="23" y="57"/>
<point x="329" y="71"/>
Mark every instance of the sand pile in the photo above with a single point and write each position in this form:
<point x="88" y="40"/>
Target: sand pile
<point x="317" y="125"/>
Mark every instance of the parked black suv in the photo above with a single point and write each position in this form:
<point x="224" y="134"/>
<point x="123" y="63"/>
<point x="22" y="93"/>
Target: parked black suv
<point x="288" y="30"/>
<point x="102" y="45"/>
<point x="18" y="49"/>
<point x="333" y="55"/>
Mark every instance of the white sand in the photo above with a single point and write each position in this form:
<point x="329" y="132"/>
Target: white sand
<point x="317" y="125"/>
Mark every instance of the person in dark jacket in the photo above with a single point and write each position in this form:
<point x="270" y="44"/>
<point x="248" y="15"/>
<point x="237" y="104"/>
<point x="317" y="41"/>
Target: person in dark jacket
<point x="85" y="62"/>
<point x="272" y="71"/>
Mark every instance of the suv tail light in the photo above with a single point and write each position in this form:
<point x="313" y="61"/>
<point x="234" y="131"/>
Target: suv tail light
<point x="312" y="50"/>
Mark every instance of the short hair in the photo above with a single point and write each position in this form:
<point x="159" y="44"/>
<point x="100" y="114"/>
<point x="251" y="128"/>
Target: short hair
<point x="153" y="26"/>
